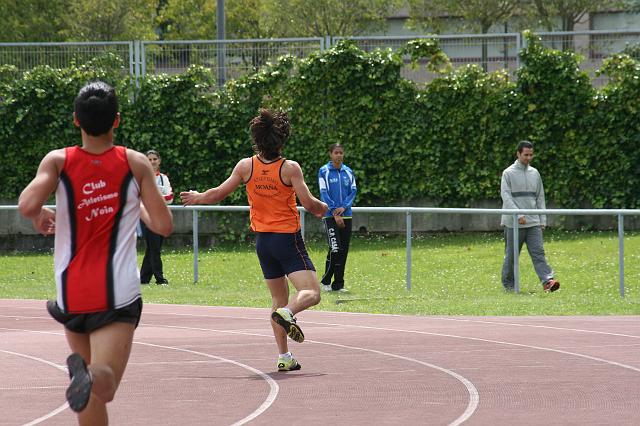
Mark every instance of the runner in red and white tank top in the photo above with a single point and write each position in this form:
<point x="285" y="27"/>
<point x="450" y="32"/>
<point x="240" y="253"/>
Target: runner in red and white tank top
<point x="101" y="192"/>
<point x="97" y="209"/>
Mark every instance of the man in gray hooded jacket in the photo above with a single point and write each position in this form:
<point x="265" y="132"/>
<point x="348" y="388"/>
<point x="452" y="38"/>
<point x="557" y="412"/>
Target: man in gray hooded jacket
<point x="521" y="188"/>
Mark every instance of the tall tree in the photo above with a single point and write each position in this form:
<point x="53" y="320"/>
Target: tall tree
<point x="319" y="18"/>
<point x="196" y="19"/>
<point x="111" y="20"/>
<point x="568" y="13"/>
<point x="473" y="14"/>
<point x="32" y="20"/>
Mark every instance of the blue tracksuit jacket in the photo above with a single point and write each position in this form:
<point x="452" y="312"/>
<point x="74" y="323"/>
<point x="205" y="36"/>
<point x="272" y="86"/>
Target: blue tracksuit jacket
<point x="337" y="188"/>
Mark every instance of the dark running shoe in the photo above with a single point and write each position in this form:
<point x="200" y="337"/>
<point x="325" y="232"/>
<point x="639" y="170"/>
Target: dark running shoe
<point x="551" y="285"/>
<point x="79" y="390"/>
<point x="163" y="281"/>
<point x="288" y="322"/>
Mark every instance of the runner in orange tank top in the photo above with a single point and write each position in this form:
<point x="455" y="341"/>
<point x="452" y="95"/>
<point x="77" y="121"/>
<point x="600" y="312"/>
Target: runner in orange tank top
<point x="272" y="184"/>
<point x="102" y="190"/>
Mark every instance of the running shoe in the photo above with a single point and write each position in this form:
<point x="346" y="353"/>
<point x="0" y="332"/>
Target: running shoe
<point x="288" y="364"/>
<point x="551" y="285"/>
<point x="79" y="390"/>
<point x="326" y="287"/>
<point x="288" y="322"/>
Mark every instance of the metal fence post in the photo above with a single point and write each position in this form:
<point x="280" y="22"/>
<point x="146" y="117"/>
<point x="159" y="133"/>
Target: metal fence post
<point x="132" y="59"/>
<point x="516" y="254"/>
<point x="143" y="60"/>
<point x="195" y="246"/>
<point x="302" y="223"/>
<point x="409" y="232"/>
<point x="136" y="54"/>
<point x="518" y="48"/>
<point x="621" y="252"/>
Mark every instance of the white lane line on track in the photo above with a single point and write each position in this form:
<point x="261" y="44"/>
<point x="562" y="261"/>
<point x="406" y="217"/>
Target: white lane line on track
<point x="548" y="327"/>
<point x="420" y="332"/>
<point x="474" y="396"/>
<point x="52" y="364"/>
<point x="579" y="330"/>
<point x="273" y="385"/>
<point x="499" y="342"/>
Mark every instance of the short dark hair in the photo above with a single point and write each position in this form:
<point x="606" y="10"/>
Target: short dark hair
<point x="96" y="107"/>
<point x="334" y="146"/>
<point x="153" y="152"/>
<point x="270" y="130"/>
<point x="524" y="144"/>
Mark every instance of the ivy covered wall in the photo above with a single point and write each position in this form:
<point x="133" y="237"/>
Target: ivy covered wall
<point x="446" y="141"/>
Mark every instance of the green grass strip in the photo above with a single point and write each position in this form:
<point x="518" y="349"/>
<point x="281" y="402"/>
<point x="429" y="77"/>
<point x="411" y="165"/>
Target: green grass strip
<point x="452" y="274"/>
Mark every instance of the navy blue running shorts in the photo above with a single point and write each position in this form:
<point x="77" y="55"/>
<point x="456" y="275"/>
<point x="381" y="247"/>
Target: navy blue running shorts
<point x="86" y="323"/>
<point x="282" y="254"/>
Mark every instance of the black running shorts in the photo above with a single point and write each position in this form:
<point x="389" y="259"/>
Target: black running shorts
<point x="282" y="254"/>
<point x="86" y="323"/>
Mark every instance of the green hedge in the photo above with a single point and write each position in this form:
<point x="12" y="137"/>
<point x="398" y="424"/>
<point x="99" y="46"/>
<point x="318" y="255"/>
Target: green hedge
<point x="446" y="141"/>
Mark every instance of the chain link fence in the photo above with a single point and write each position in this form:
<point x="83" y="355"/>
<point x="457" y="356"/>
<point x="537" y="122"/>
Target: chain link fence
<point x="25" y="56"/>
<point x="594" y="47"/>
<point x="230" y="59"/>
<point x="492" y="52"/>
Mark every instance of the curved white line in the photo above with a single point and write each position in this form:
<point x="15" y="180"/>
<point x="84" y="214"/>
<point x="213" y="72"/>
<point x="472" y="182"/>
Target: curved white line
<point x="548" y="327"/>
<point x="454" y="337"/>
<point x="273" y="385"/>
<point x="44" y="361"/>
<point x="580" y="330"/>
<point x="614" y="363"/>
<point x="474" y="396"/>
<point x="499" y="342"/>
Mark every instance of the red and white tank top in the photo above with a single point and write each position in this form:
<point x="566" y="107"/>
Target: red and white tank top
<point x="97" y="210"/>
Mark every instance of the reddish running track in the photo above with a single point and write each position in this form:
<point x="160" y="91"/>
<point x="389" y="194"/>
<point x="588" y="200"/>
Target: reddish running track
<point x="202" y="365"/>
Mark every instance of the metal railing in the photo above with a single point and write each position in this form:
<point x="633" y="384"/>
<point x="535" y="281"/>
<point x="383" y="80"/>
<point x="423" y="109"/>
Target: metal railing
<point x="234" y="58"/>
<point x="229" y="59"/>
<point x="25" y="56"/>
<point x="409" y="211"/>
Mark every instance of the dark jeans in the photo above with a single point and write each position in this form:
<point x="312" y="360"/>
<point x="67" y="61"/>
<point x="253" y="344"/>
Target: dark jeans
<point x="338" y="240"/>
<point x="152" y="263"/>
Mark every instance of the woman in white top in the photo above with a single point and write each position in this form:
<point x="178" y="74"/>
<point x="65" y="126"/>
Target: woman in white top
<point x="152" y="262"/>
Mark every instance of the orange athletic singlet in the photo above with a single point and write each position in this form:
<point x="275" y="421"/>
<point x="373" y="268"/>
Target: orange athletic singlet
<point x="97" y="209"/>
<point x="272" y="202"/>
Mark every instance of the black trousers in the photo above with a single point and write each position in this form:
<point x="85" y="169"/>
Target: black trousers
<point x="338" y="240"/>
<point x="152" y="263"/>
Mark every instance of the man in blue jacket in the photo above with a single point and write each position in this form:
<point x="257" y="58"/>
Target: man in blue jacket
<point x="337" y="189"/>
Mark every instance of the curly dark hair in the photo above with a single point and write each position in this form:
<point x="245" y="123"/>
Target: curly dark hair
<point x="270" y="130"/>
